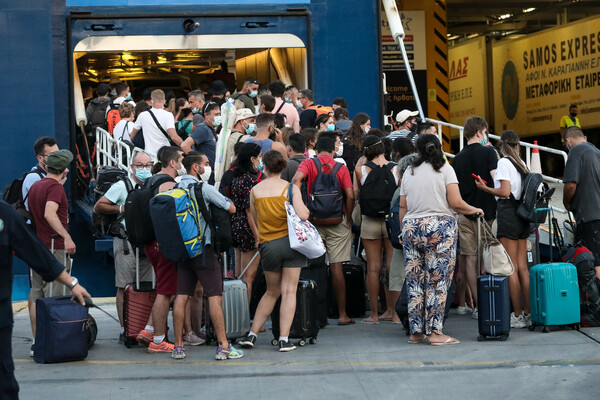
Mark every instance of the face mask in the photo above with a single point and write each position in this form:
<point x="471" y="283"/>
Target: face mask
<point x="253" y="93"/>
<point x="181" y="171"/>
<point x="340" y="150"/>
<point x="331" y="127"/>
<point x="573" y="115"/>
<point x="128" y="98"/>
<point x="484" y="141"/>
<point x="366" y="130"/>
<point x="250" y="128"/>
<point x="260" y="165"/>
<point x="194" y="110"/>
<point x="288" y="100"/>
<point x="143" y="173"/>
<point x="217" y="121"/>
<point x="206" y="175"/>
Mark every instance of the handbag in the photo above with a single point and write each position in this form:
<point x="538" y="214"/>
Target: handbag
<point x="304" y="237"/>
<point x="496" y="260"/>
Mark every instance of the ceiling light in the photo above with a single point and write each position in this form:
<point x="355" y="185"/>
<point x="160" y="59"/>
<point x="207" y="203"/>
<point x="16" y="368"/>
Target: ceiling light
<point x="505" y="16"/>
<point x="528" y="10"/>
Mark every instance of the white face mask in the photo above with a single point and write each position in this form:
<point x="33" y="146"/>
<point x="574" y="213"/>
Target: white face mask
<point x="340" y="150"/>
<point x="206" y="175"/>
<point x="181" y="171"/>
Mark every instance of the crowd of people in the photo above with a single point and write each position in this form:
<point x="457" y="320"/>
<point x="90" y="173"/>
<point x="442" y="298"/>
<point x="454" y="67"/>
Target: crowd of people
<point x="258" y="148"/>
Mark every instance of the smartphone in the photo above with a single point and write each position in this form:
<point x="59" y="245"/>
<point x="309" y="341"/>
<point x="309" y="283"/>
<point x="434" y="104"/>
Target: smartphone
<point x="477" y="176"/>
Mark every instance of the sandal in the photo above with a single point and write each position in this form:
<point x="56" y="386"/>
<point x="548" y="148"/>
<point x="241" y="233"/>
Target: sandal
<point x="423" y="339"/>
<point x="448" y="341"/>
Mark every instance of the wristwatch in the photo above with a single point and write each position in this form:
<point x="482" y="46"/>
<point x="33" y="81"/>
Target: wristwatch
<point x="73" y="283"/>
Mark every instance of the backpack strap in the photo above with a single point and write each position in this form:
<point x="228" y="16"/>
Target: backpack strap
<point x="197" y="189"/>
<point x="160" y="126"/>
<point x="318" y="164"/>
<point x="280" y="107"/>
<point x="159" y="180"/>
<point x="128" y="185"/>
<point x="123" y="133"/>
<point x="336" y="168"/>
<point x="523" y="175"/>
<point x="371" y="165"/>
<point x="290" y="197"/>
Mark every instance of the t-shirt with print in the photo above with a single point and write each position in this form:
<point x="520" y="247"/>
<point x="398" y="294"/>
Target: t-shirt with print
<point x="205" y="142"/>
<point x="583" y="168"/>
<point x="309" y="169"/>
<point x="153" y="137"/>
<point x="425" y="190"/>
<point x="506" y="171"/>
<point x="41" y="192"/>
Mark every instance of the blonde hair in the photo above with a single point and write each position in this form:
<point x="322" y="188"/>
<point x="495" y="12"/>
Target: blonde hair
<point x="158" y="95"/>
<point x="126" y="109"/>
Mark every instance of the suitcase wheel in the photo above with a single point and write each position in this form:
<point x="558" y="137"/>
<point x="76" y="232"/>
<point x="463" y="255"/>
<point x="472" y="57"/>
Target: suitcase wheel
<point x="312" y="340"/>
<point x="503" y="338"/>
<point x="301" y="342"/>
<point x="576" y="326"/>
<point x="480" y="338"/>
<point x="274" y="342"/>
<point x="531" y="328"/>
<point x="546" y="329"/>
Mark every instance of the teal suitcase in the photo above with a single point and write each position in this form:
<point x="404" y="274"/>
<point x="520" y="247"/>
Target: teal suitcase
<point x="554" y="291"/>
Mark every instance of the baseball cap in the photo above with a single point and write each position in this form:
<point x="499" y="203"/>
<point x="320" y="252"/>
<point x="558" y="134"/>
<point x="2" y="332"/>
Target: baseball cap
<point x="243" y="113"/>
<point x="405" y="114"/>
<point x="59" y="160"/>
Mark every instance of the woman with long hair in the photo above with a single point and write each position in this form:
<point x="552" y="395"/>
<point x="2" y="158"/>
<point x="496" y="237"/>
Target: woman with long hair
<point x="184" y="123"/>
<point x="512" y="230"/>
<point x="243" y="228"/>
<point x="310" y="135"/>
<point x="175" y="106"/>
<point x="354" y="138"/>
<point x="281" y="264"/>
<point x="429" y="199"/>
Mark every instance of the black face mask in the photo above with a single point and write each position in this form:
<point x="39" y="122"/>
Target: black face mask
<point x="573" y="114"/>
<point x="413" y="127"/>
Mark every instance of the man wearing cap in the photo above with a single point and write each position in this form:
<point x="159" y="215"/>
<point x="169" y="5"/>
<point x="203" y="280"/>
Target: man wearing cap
<point x="248" y="93"/>
<point x="50" y="210"/>
<point x="244" y="127"/>
<point x="407" y="120"/>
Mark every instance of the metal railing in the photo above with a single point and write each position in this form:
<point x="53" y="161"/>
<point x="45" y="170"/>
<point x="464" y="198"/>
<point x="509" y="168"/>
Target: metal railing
<point x="117" y="153"/>
<point x="527" y="146"/>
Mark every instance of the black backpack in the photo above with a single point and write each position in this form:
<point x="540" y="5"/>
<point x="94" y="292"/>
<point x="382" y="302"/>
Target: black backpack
<point x="392" y="223"/>
<point x="137" y="211"/>
<point x="535" y="193"/>
<point x="110" y="224"/>
<point x="377" y="191"/>
<point x="97" y="116"/>
<point x="182" y="130"/>
<point x="326" y="200"/>
<point x="218" y="221"/>
<point x="13" y="193"/>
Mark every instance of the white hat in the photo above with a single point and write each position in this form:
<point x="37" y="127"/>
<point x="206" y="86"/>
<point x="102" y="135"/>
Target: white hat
<point x="405" y="114"/>
<point x="243" y="113"/>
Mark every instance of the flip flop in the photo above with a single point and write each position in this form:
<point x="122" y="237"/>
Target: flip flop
<point x="418" y="341"/>
<point x="364" y="321"/>
<point x="448" y="341"/>
<point x="351" y="322"/>
<point x="385" y="319"/>
<point x="397" y="323"/>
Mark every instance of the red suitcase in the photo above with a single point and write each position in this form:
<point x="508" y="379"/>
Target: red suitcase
<point x="137" y="304"/>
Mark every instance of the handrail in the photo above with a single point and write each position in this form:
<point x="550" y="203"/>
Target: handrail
<point x="110" y="151"/>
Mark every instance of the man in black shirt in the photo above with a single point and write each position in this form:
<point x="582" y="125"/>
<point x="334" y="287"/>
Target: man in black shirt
<point x="481" y="160"/>
<point x="16" y="237"/>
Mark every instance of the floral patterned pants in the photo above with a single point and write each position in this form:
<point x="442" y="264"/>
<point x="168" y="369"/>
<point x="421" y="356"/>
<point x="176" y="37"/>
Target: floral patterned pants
<point x="430" y="257"/>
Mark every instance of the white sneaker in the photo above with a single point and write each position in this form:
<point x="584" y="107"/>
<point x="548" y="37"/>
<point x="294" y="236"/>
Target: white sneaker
<point x="517" y="322"/>
<point x="527" y="318"/>
<point x="475" y="314"/>
<point x="463" y="310"/>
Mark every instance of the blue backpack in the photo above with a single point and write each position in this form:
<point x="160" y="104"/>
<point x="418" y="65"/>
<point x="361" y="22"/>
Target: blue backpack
<point x="392" y="223"/>
<point x="176" y="220"/>
<point x="326" y="200"/>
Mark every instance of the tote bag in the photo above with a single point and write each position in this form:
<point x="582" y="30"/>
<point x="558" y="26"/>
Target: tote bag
<point x="496" y="260"/>
<point x="304" y="237"/>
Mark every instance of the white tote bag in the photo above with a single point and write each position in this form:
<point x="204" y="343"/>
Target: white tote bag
<point x="304" y="237"/>
<point x="496" y="260"/>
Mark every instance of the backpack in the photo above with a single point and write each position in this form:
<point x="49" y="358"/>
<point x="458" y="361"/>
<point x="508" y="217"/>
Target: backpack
<point x="589" y="285"/>
<point x="176" y="220"/>
<point x="321" y="109"/>
<point x="13" y="194"/>
<point x="182" y="129"/>
<point x="219" y="222"/>
<point x="535" y="193"/>
<point x="137" y="211"/>
<point x="377" y="191"/>
<point x="138" y="140"/>
<point x="97" y="116"/>
<point x="392" y="223"/>
<point x="326" y="200"/>
<point x="112" y="117"/>
<point x="110" y="224"/>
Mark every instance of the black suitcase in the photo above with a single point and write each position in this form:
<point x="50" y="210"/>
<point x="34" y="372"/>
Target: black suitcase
<point x="316" y="270"/>
<point x="356" y="306"/>
<point x="493" y="302"/>
<point x="259" y="288"/>
<point x="305" y="325"/>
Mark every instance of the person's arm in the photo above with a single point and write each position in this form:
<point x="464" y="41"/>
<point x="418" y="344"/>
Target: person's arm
<point x="174" y="136"/>
<point x="51" y="216"/>
<point x="298" y="178"/>
<point x="252" y="218"/>
<point x="503" y="191"/>
<point x="134" y="132"/>
<point x="187" y="144"/>
<point x="299" y="206"/>
<point x="356" y="178"/>
<point x="402" y="213"/>
<point x="105" y="206"/>
<point x="568" y="194"/>
<point x="456" y="202"/>
<point x="349" y="194"/>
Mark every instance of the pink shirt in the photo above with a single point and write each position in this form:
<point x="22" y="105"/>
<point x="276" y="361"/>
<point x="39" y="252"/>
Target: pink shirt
<point x="291" y="114"/>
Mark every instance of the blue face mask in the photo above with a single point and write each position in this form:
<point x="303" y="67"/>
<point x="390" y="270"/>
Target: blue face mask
<point x="195" y="110"/>
<point x="143" y="173"/>
<point x="250" y="128"/>
<point x="260" y="165"/>
<point x="330" y="127"/>
<point x="128" y="98"/>
<point x="217" y="121"/>
<point x="287" y="100"/>
<point x="484" y="141"/>
<point x="253" y="93"/>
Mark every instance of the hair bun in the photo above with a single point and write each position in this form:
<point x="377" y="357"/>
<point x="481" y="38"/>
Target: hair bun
<point x="430" y="148"/>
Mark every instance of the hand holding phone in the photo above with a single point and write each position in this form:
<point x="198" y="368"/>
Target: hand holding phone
<point x="478" y="177"/>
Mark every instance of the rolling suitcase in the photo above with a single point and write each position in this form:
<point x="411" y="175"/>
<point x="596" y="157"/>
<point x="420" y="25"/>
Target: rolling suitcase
<point x="493" y="301"/>
<point x="554" y="293"/>
<point x="356" y="305"/>
<point x="236" y="307"/>
<point x="305" y="325"/>
<point x="316" y="270"/>
<point x="61" y="330"/>
<point x="138" y="300"/>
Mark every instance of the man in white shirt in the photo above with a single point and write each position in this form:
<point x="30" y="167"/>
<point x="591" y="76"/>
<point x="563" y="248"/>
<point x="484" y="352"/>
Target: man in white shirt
<point x="156" y="136"/>
<point x="292" y="118"/>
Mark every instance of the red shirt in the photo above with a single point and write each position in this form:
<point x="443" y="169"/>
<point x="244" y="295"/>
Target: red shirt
<point x="41" y="192"/>
<point x="309" y="169"/>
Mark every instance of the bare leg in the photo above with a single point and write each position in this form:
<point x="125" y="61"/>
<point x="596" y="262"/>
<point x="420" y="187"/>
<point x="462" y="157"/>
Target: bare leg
<point x="513" y="280"/>
<point x="179" y="311"/>
<point x="391" y="295"/>
<point x="160" y="312"/>
<point x="31" y="306"/>
<point x="472" y="273"/>
<point x="217" y="319"/>
<point x="523" y="272"/>
<point x="238" y="262"/>
<point x="267" y="302"/>
<point x="250" y="273"/>
<point x="339" y="288"/>
<point x="461" y="282"/>
<point x="373" y="250"/>
<point x="196" y="308"/>
<point x="289" y="286"/>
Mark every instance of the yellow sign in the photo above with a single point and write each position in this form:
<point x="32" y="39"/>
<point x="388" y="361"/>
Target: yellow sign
<point x="467" y="71"/>
<point x="536" y="78"/>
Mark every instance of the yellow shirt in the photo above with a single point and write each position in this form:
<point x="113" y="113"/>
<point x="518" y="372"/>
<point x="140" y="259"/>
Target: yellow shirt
<point x="271" y="216"/>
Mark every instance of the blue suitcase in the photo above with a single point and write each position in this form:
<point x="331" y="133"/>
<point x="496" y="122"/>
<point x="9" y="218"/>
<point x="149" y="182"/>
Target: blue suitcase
<point x="493" y="303"/>
<point x="61" y="330"/>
